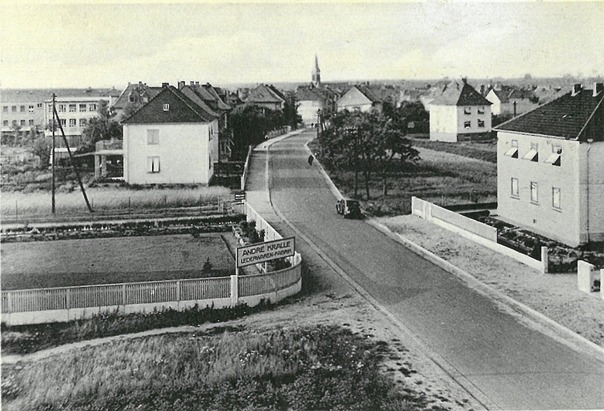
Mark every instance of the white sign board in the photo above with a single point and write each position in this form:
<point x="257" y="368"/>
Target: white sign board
<point x="261" y="252"/>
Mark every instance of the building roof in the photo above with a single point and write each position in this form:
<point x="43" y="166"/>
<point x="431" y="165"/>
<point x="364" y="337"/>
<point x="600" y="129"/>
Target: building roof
<point x="191" y="93"/>
<point x="265" y="94"/>
<point x="578" y="116"/>
<point x="220" y="104"/>
<point x="141" y="89"/>
<point x="181" y="110"/>
<point x="41" y="95"/>
<point x="458" y="94"/>
<point x="507" y="93"/>
<point x="307" y="94"/>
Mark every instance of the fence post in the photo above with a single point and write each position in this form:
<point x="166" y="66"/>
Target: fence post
<point x="9" y="301"/>
<point x="544" y="259"/>
<point x="234" y="289"/>
<point x="68" y="299"/>
<point x="124" y="297"/>
<point x="584" y="281"/>
<point x="178" y="295"/>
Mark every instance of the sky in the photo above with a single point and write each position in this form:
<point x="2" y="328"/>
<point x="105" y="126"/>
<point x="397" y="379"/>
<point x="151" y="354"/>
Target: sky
<point x="110" y="44"/>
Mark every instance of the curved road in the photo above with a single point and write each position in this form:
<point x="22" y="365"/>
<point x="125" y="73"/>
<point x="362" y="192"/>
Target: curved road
<point x="502" y="360"/>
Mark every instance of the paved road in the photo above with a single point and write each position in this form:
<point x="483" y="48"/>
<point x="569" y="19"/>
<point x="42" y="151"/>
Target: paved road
<point x="511" y="364"/>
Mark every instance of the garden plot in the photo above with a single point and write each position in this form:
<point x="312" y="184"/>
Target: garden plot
<point x="113" y="260"/>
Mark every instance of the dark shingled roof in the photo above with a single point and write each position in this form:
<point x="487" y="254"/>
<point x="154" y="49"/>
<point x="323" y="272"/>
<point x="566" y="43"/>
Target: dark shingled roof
<point x="264" y="94"/>
<point x="459" y="94"/>
<point x="577" y="117"/>
<point x="182" y="110"/>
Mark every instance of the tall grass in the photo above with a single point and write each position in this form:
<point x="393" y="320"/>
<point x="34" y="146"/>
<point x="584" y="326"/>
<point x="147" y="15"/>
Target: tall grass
<point x="109" y="199"/>
<point x="300" y="369"/>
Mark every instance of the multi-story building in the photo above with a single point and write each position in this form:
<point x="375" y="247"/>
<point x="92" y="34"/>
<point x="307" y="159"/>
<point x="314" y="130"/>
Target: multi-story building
<point x="76" y="107"/>
<point x="170" y="140"/>
<point x="22" y="109"/>
<point x="459" y="112"/>
<point x="549" y="168"/>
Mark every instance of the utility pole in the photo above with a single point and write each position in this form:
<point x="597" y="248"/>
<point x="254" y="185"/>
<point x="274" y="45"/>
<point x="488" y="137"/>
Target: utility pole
<point x="52" y="124"/>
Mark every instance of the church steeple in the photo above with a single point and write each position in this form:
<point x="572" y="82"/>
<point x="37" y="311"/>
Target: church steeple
<point x="316" y="73"/>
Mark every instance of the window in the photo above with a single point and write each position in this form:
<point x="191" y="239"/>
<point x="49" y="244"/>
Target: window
<point x="50" y="108"/>
<point x="22" y="109"/>
<point x="31" y="122"/>
<point x="40" y="105"/>
<point x="91" y="107"/>
<point x="556" y="198"/>
<point x="5" y="109"/>
<point x="14" y="123"/>
<point x="467" y="124"/>
<point x="83" y="108"/>
<point x="480" y="123"/>
<point x="467" y="110"/>
<point x="534" y="193"/>
<point x="63" y="122"/>
<point x="22" y="122"/>
<point x="72" y="108"/>
<point x="153" y="164"/>
<point x="533" y="154"/>
<point x="514" y="187"/>
<point x="31" y="109"/>
<point x="13" y="109"/>
<point x="480" y="110"/>
<point x="5" y="123"/>
<point x="555" y="159"/>
<point x="513" y="151"/>
<point x="72" y="122"/>
<point x="83" y="122"/>
<point x="152" y="137"/>
<point x="61" y="108"/>
<point x="166" y="107"/>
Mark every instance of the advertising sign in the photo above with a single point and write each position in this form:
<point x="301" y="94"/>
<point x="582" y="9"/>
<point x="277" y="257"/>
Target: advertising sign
<point x="261" y="252"/>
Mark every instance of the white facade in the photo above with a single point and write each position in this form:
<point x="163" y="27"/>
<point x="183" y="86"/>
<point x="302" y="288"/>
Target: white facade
<point x="166" y="153"/>
<point x="553" y="186"/>
<point x="448" y="122"/>
<point x="74" y="113"/>
<point x="308" y="109"/>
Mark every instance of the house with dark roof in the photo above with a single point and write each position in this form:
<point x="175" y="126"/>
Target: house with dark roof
<point x="459" y="112"/>
<point x="507" y="100"/>
<point x="173" y="139"/>
<point x="361" y="98"/>
<point x="266" y="96"/>
<point x="549" y="168"/>
<point x="135" y="95"/>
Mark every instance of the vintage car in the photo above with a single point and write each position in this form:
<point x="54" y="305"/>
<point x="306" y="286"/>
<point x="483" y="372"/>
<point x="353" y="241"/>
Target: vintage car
<point x="348" y="208"/>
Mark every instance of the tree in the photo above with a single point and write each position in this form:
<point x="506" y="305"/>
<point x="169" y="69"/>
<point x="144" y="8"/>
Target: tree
<point x="102" y="127"/>
<point x="43" y="148"/>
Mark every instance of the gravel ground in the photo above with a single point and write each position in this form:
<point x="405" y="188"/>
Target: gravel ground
<point x="554" y="295"/>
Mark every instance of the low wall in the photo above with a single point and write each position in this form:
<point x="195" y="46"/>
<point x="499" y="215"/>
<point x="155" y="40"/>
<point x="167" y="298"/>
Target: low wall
<point x="38" y="306"/>
<point x="474" y="230"/>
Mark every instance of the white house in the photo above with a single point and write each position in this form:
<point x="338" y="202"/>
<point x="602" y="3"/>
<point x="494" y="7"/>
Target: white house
<point x="549" y="168"/>
<point x="170" y="140"/>
<point x="459" y="112"/>
<point x="508" y="100"/>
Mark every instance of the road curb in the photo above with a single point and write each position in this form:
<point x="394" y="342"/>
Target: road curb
<point x="568" y="336"/>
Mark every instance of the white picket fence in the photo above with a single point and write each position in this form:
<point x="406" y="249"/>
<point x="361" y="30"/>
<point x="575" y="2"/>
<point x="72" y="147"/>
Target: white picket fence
<point x="67" y="303"/>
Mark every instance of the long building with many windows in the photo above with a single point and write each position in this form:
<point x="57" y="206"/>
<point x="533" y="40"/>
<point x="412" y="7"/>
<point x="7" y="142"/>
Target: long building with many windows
<point x="549" y="168"/>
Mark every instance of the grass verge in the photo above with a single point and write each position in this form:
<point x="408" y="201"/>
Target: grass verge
<point x="25" y="339"/>
<point x="302" y="368"/>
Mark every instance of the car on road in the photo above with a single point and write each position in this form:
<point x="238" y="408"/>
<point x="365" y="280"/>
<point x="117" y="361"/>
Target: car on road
<point x="349" y="208"/>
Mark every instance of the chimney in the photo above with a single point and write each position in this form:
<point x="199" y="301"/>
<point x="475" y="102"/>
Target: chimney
<point x="598" y="88"/>
<point x="181" y="84"/>
<point x="192" y="83"/>
<point x="197" y="83"/>
<point x="498" y="86"/>
<point x="165" y="85"/>
<point x="482" y="89"/>
<point x="576" y="89"/>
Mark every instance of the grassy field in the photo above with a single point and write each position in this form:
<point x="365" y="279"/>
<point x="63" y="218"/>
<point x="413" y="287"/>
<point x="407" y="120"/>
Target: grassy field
<point x="109" y="198"/>
<point x="484" y="150"/>
<point x="302" y="368"/>
<point x="112" y="260"/>
<point x="439" y="177"/>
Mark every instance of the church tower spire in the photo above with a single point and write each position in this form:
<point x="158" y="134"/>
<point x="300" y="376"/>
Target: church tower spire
<point x="316" y="73"/>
